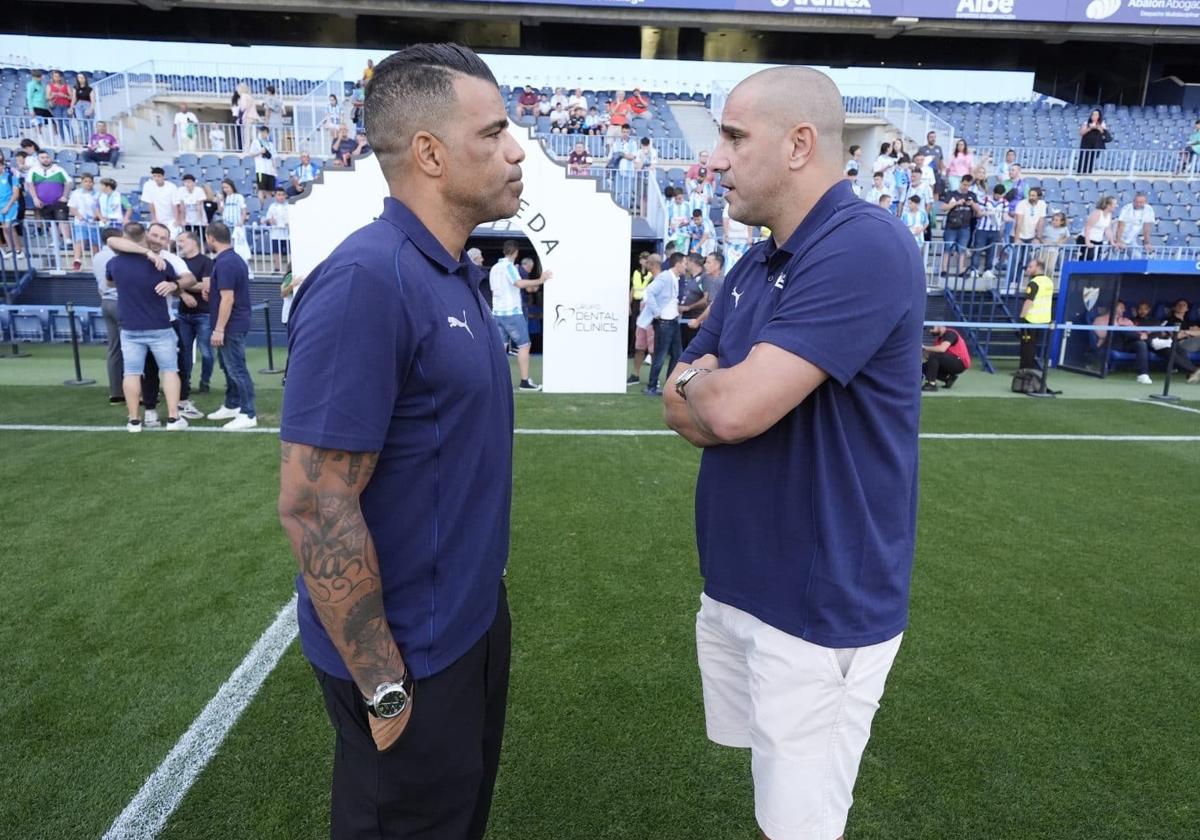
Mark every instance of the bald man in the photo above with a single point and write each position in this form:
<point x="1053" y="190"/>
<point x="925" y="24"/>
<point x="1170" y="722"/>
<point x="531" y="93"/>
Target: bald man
<point x="803" y="390"/>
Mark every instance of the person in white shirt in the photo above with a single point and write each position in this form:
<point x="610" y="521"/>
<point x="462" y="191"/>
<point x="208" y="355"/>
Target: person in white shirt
<point x="661" y="309"/>
<point x="84" y="206"/>
<point x="113" y="208"/>
<point x="559" y="100"/>
<point x="877" y="189"/>
<point x="1028" y="221"/>
<point x="277" y="218"/>
<point x="264" y="154"/>
<point x="507" y="284"/>
<point x="1135" y="222"/>
<point x="885" y="163"/>
<point x="920" y="162"/>
<point x="185" y="129"/>
<point x="577" y="100"/>
<point x="159" y="193"/>
<point x="558" y="119"/>
<point x="216" y="137"/>
<point x="189" y="207"/>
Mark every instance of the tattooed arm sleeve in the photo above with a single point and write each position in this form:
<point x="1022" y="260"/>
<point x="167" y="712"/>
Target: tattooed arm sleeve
<point x="319" y="508"/>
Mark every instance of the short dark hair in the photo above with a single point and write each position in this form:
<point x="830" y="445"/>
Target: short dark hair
<point x="915" y="199"/>
<point x="157" y="170"/>
<point x="998" y="190"/>
<point x="1037" y="190"/>
<point x="159" y="225"/>
<point x="645" y="141"/>
<point x="695" y="259"/>
<point x="669" y="192"/>
<point x="854" y="149"/>
<point x="134" y="231"/>
<point x="675" y="258"/>
<point x="190" y="177"/>
<point x="697" y="212"/>
<point x="413" y="89"/>
<point x="968" y="177"/>
<point x="270" y="88"/>
<point x="719" y="257"/>
<point x="219" y="231"/>
<point x="509" y="248"/>
<point x="109" y="233"/>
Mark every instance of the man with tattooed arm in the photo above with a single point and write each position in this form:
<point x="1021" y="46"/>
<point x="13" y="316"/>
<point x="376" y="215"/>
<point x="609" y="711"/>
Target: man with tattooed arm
<point x="396" y="474"/>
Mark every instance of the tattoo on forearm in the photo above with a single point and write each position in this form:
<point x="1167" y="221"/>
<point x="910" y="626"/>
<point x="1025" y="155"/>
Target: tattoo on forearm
<point x="315" y="463"/>
<point x="285" y="451"/>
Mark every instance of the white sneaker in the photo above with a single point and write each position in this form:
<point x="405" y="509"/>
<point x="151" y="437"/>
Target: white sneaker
<point x="151" y="419"/>
<point x="133" y="426"/>
<point x="1144" y="379"/>
<point x="188" y="409"/>
<point x="224" y="413"/>
<point x="177" y="425"/>
<point x="240" y="422"/>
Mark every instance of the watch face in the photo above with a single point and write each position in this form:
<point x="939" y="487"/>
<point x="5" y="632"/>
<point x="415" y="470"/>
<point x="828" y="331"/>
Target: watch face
<point x="392" y="703"/>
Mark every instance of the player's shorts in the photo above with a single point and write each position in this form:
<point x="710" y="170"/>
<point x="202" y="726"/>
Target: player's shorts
<point x="804" y="712"/>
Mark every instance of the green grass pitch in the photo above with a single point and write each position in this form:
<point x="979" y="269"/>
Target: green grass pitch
<point x="1047" y="686"/>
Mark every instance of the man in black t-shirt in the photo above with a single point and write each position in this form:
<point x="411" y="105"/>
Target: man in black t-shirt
<point x="193" y="323"/>
<point x="958" y="205"/>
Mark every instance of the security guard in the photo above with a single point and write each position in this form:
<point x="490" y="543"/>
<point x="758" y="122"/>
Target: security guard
<point x="1039" y="292"/>
<point x="637" y="292"/>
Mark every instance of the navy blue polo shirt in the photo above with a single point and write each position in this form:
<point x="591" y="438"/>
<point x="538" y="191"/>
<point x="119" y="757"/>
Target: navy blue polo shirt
<point x="810" y="526"/>
<point x="139" y="307"/>
<point x="230" y="272"/>
<point x="391" y="349"/>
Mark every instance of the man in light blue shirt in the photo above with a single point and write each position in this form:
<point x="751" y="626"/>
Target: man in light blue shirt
<point x="507" y="285"/>
<point x="661" y="309"/>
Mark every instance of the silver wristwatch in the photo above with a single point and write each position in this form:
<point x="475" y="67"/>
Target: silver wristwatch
<point x="391" y="698"/>
<point x="686" y="377"/>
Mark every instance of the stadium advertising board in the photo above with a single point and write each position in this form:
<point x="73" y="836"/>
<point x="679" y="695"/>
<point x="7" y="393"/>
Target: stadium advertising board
<point x="579" y="234"/>
<point x="1136" y="12"/>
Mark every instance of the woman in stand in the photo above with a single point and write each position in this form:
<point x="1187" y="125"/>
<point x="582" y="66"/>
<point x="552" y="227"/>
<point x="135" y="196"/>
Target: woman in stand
<point x="234" y="213"/>
<point x="1098" y="230"/>
<point x="248" y="114"/>
<point x="961" y="163"/>
<point x="885" y="164"/>
<point x="1093" y="135"/>
<point x="58" y="94"/>
<point x="82" y="106"/>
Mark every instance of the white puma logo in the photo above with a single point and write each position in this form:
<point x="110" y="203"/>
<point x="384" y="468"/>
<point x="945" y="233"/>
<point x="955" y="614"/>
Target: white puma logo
<point x="737" y="296"/>
<point x="454" y="322"/>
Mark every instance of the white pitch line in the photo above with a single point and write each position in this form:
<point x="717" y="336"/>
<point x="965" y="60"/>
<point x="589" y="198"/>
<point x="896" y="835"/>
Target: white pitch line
<point x="668" y="433"/>
<point x="1167" y="405"/>
<point x="146" y="815"/>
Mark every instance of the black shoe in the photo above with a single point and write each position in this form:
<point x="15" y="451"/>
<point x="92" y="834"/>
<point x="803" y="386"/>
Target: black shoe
<point x="929" y="386"/>
<point x="203" y="389"/>
<point x="633" y="380"/>
<point x="116" y="401"/>
<point x="529" y="385"/>
<point x="950" y="380"/>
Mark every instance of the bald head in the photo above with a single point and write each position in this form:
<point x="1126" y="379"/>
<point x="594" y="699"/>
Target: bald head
<point x="793" y="96"/>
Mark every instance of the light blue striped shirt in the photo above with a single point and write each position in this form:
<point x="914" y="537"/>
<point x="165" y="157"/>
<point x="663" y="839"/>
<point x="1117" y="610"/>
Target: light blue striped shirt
<point x="661" y="299"/>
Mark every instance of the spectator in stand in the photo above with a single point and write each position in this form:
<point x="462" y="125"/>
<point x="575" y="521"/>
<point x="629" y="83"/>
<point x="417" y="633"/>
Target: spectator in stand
<point x="575" y="121"/>
<point x="145" y="323"/>
<point x="368" y="72"/>
<point x="216" y="137"/>
<point x="189" y="208"/>
<point x="679" y="216"/>
<point x="1014" y="192"/>
<point x="38" y="105"/>
<point x="543" y="106"/>
<point x="961" y="163"/>
<point x="21" y="166"/>
<point x="50" y="188"/>
<point x="983" y="169"/>
<point x="102" y="146"/>
<point x="990" y="216"/>
<point x="898" y="148"/>
<point x="649" y="266"/>
<point x="332" y="123"/>
<point x="958" y="205"/>
<point x="84" y="206"/>
<point x="248" y="116"/>
<point x="559" y="119"/>
<point x="852" y="179"/>
<point x="738" y="239"/>
<point x="159" y="194"/>
<point x="265" y="157"/>
<point x="273" y="112"/>
<point x="527" y="102"/>
<point x="946" y="359"/>
<point x="699" y="198"/>
<point x="234" y="215"/>
<point x="1098" y="230"/>
<point x="877" y="188"/>
<point x="277" y="218"/>
<point x="10" y="203"/>
<point x="30" y="148"/>
<point x="923" y="190"/>
<point x="885" y="164"/>
<point x="184" y="129"/>
<point x="358" y="96"/>
<point x="507" y="285"/>
<point x="303" y="175"/>
<point x="108" y="308"/>
<point x="638" y="103"/>
<point x="1035" y="309"/>
<point x="343" y="147"/>
<point x="714" y="283"/>
<point x="855" y="160"/>
<point x="577" y="100"/>
<point x="194" y="322"/>
<point x="1126" y="341"/>
<point x="82" y="106"/>
<point x="1135" y="222"/>
<point x="58" y="95"/>
<point x="698" y="171"/>
<point x="928" y="175"/>
<point x="647" y="155"/>
<point x="578" y="162"/>
<point x="619" y="112"/>
<point x="212" y="207"/>
<point x="903" y="179"/>
<point x="1093" y="136"/>
<point x="702" y="236"/>
<point x="559" y="99"/>
<point x="1191" y="149"/>
<point x="1187" y="340"/>
<point x="933" y="153"/>
<point x="1028" y="223"/>
<point x="115" y="209"/>
<point x="916" y="219"/>
<point x="594" y="122"/>
<point x="885" y="204"/>
<point x="1055" y="236"/>
<point x="661" y="311"/>
<point x="229" y="316"/>
<point x="624" y="154"/>
<point x="693" y="300"/>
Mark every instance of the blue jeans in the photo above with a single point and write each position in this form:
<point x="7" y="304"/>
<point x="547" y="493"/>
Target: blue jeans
<point x="984" y="242"/>
<point x="83" y="123"/>
<point x="239" y="387"/>
<point x="137" y="344"/>
<point x="668" y="341"/>
<point x="194" y="327"/>
<point x="62" y="122"/>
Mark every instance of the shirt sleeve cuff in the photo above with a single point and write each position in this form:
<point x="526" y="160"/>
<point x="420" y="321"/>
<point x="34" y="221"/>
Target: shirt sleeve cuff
<point x="326" y="440"/>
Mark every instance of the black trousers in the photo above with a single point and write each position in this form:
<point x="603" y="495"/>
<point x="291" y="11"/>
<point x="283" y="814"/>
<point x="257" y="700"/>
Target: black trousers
<point x="940" y="365"/>
<point x="436" y="782"/>
<point x="1030" y="342"/>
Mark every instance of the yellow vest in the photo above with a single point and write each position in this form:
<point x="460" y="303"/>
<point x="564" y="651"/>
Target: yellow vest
<point x="1040" y="313"/>
<point x="640" y="280"/>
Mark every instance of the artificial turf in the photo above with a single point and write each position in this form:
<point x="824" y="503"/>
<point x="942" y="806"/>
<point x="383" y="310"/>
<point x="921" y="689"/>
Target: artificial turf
<point x="1045" y="688"/>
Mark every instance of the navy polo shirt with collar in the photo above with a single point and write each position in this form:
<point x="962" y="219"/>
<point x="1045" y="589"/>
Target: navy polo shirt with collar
<point x="811" y="526"/>
<point x="391" y="349"/>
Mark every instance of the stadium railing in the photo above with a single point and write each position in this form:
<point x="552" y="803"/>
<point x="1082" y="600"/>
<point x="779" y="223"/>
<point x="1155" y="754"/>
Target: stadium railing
<point x="228" y="138"/>
<point x="53" y="133"/>
<point x="598" y="145"/>
<point x="884" y="102"/>
<point x="1129" y="163"/>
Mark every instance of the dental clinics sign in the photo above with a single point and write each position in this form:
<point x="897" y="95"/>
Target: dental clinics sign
<point x="579" y="234"/>
<point x="1135" y="12"/>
